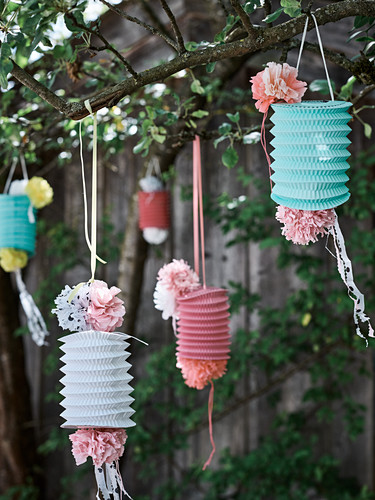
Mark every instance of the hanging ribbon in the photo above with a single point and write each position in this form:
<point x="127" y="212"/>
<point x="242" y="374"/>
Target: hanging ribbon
<point x="91" y="244"/>
<point x="321" y="51"/>
<point x="210" y="408"/>
<point x="198" y="229"/>
<point x="109" y="482"/>
<point x="35" y="321"/>
<point x="198" y="222"/>
<point x="344" y="266"/>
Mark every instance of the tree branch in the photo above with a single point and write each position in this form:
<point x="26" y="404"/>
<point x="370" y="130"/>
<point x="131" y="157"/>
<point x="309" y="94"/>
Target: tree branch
<point x="245" y="20"/>
<point x="266" y="37"/>
<point x="363" y="94"/>
<point x="176" y="29"/>
<point x="141" y="23"/>
<point x="302" y="366"/>
<point x="108" y="46"/>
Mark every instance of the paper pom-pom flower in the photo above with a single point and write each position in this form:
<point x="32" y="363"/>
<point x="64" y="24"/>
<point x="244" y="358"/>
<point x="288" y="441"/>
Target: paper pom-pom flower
<point x="278" y="82"/>
<point x="102" y="445"/>
<point x="39" y="191"/>
<point x="178" y="277"/>
<point x="304" y="226"/>
<point x="105" y="311"/>
<point x="174" y="280"/>
<point x="12" y="259"/>
<point x="198" y="373"/>
<point x="94" y="305"/>
<point x="71" y="309"/>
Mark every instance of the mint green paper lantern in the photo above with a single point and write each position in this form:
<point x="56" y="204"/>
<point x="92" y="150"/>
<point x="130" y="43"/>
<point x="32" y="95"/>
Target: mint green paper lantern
<point x="16" y="227"/>
<point x="310" y="155"/>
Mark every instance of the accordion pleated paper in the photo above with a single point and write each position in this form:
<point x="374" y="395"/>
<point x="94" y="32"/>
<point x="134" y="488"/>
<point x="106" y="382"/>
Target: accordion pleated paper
<point x="154" y="209"/>
<point x="310" y="155"/>
<point x="96" y="380"/>
<point x="203" y="325"/>
<point x="16" y="230"/>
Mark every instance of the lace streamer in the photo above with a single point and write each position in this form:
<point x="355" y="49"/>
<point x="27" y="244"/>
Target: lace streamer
<point x="35" y="321"/>
<point x="109" y="482"/>
<point x="344" y="266"/>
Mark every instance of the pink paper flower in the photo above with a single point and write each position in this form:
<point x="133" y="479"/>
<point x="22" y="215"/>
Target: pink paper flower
<point x="178" y="277"/>
<point x="278" y="82"/>
<point x="198" y="373"/>
<point x="304" y="226"/>
<point x="104" y="445"/>
<point x="105" y="312"/>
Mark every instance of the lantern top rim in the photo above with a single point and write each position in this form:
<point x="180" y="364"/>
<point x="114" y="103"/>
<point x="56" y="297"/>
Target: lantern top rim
<point x="320" y="104"/>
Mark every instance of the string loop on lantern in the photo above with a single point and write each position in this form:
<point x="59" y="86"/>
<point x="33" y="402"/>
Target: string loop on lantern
<point x="90" y="244"/>
<point x="13" y="169"/>
<point x="321" y="51"/>
<point x="198" y="221"/>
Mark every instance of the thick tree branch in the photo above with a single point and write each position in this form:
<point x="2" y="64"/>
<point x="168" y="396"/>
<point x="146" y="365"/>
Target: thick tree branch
<point x="141" y="23"/>
<point x="266" y="37"/>
<point x="176" y="29"/>
<point x="245" y="20"/>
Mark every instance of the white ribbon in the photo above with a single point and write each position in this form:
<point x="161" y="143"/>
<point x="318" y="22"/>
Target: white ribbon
<point x="91" y="244"/>
<point x="35" y="321"/>
<point x="321" y="51"/>
<point x="109" y="482"/>
<point x="344" y="266"/>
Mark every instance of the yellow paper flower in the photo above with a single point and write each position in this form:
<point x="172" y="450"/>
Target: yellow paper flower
<point x="39" y="192"/>
<point x="12" y="259"/>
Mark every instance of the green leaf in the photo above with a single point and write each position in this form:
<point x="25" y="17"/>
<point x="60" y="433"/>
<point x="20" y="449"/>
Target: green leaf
<point x="225" y="128"/>
<point x="291" y="7"/>
<point x="219" y="140"/>
<point x="347" y="89"/>
<point x="5" y="51"/>
<point x="230" y="157"/>
<point x="250" y="6"/>
<point x="272" y="17"/>
<point x="368" y="130"/>
<point x="144" y="143"/>
<point x="191" y="46"/>
<point x="360" y="21"/>
<point x="210" y="67"/>
<point x="196" y="87"/>
<point x="321" y="86"/>
<point x="6" y="67"/>
<point x="200" y="113"/>
<point x="234" y="118"/>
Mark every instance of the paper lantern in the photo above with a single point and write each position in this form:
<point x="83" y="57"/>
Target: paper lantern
<point x="310" y="155"/>
<point x="18" y="206"/>
<point x="203" y="325"/>
<point x="17" y="223"/>
<point x="201" y="312"/>
<point x="154" y="210"/>
<point x="96" y="380"/>
<point x="310" y="164"/>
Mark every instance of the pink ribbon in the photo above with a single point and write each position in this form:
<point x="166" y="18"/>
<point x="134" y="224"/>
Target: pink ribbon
<point x="198" y="209"/>
<point x="210" y="408"/>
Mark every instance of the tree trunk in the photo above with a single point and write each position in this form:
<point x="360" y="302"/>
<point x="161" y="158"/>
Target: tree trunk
<point x="17" y="444"/>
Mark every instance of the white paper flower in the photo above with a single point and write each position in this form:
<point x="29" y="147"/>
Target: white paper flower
<point x="72" y="315"/>
<point x="151" y="183"/>
<point x="155" y="235"/>
<point x="165" y="301"/>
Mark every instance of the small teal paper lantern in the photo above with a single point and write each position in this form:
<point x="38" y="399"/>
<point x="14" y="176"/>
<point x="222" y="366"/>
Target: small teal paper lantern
<point x="310" y="155"/>
<point x="16" y="228"/>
